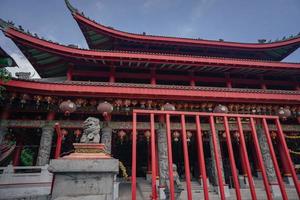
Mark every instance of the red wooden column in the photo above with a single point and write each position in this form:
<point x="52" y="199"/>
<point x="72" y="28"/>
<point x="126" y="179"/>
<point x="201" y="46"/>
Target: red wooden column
<point x="245" y="155"/>
<point x="153" y="76"/>
<point x="244" y="168"/>
<point x="274" y="159"/>
<point x="186" y="159"/>
<point x="170" y="158"/>
<point x="232" y="160"/>
<point x="153" y="157"/>
<point x="133" y="168"/>
<point x="260" y="159"/>
<point x="284" y="160"/>
<point x="18" y="150"/>
<point x="215" y="149"/>
<point x="112" y="74"/>
<point x="58" y="141"/>
<point x="201" y="160"/>
<point x="70" y="73"/>
<point x="286" y="151"/>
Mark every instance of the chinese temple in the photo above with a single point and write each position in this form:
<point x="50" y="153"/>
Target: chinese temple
<point x="234" y="131"/>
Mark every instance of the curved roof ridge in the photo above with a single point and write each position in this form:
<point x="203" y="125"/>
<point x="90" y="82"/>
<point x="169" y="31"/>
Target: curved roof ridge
<point x="195" y="41"/>
<point x="142" y="53"/>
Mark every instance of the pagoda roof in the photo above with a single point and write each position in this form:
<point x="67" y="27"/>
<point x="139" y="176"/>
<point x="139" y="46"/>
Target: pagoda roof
<point x="52" y="59"/>
<point x="99" y="36"/>
<point x="141" y="91"/>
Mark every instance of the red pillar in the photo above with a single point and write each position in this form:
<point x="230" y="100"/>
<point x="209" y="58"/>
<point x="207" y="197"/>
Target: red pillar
<point x="218" y="164"/>
<point x="170" y="158"/>
<point x="186" y="159"/>
<point x="284" y="160"/>
<point x="153" y="157"/>
<point x="274" y="159"/>
<point x="18" y="150"/>
<point x="153" y="76"/>
<point x="246" y="159"/>
<point x="201" y="160"/>
<point x="133" y="168"/>
<point x="70" y="73"/>
<point x="244" y="171"/>
<point x="232" y="160"/>
<point x="260" y="159"/>
<point x="112" y="75"/>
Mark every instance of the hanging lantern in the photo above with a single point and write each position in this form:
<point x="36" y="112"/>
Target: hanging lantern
<point x="224" y="135"/>
<point x="273" y="135"/>
<point x="67" y="107"/>
<point x="189" y="135"/>
<point x="176" y="136"/>
<point x="168" y="107"/>
<point x="24" y="99"/>
<point x="220" y="109"/>
<point x="236" y="135"/>
<point x="121" y="135"/>
<point x="105" y="108"/>
<point x="147" y="134"/>
<point x="284" y="113"/>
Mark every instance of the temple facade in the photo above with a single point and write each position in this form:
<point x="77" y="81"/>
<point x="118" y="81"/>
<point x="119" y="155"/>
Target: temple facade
<point x="225" y="116"/>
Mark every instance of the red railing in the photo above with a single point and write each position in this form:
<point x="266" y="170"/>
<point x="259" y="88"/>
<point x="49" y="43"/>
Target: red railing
<point x="211" y="116"/>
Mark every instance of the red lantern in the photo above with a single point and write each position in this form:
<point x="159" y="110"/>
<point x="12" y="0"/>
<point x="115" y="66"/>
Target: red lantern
<point x="147" y="134"/>
<point x="121" y="135"/>
<point x="67" y="107"/>
<point x="176" y="135"/>
<point x="105" y="108"/>
<point x="168" y="107"/>
<point x="221" y="109"/>
<point x="284" y="113"/>
<point x="189" y="134"/>
<point x="273" y="135"/>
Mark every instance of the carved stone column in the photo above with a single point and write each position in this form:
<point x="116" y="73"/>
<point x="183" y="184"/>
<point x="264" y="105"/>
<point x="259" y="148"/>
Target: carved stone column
<point x="45" y="145"/>
<point x="268" y="161"/>
<point x="213" y="163"/>
<point x="162" y="154"/>
<point x="106" y="136"/>
<point x="3" y="132"/>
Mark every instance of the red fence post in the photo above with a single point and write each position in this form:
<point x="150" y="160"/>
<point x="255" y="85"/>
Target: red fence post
<point x="170" y="159"/>
<point x="58" y="141"/>
<point x="232" y="160"/>
<point x="214" y="140"/>
<point x="287" y="153"/>
<point x="133" y="168"/>
<point x="274" y="159"/>
<point x="186" y="159"/>
<point x="153" y="157"/>
<point x="201" y="158"/>
<point x="246" y="159"/>
<point x="260" y="159"/>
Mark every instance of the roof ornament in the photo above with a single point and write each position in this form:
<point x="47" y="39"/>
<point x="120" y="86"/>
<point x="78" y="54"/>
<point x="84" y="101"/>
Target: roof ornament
<point x="4" y="25"/>
<point x="70" y="7"/>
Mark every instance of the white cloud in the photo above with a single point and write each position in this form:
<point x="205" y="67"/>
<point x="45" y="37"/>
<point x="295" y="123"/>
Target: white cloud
<point x="24" y="66"/>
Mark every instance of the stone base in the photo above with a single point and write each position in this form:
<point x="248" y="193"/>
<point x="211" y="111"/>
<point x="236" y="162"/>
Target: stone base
<point x="87" y="174"/>
<point x="276" y="191"/>
<point x="259" y="175"/>
<point x="149" y="176"/>
<point x="288" y="180"/>
<point x="226" y="190"/>
<point x="243" y="180"/>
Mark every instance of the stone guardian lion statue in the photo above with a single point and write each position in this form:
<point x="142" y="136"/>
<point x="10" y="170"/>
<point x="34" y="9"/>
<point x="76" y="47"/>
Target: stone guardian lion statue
<point x="91" y="129"/>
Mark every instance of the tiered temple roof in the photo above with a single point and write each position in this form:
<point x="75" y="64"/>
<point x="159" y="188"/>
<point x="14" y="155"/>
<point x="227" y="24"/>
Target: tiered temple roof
<point x="99" y="36"/>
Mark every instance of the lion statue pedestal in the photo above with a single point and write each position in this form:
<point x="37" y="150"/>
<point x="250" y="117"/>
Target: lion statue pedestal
<point x="89" y="173"/>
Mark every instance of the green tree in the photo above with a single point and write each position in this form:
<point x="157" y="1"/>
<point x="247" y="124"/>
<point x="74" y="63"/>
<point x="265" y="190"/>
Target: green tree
<point x="5" y="76"/>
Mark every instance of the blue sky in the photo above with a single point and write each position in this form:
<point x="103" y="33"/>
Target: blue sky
<point x="231" y="20"/>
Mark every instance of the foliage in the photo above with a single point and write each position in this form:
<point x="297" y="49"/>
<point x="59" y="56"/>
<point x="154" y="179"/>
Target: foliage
<point x="5" y="76"/>
<point x="27" y="157"/>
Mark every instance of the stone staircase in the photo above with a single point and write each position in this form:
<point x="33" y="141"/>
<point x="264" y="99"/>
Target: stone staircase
<point x="144" y="191"/>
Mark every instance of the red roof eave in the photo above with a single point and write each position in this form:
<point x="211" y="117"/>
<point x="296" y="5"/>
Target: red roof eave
<point x="75" y="89"/>
<point x="147" y="57"/>
<point x="184" y="41"/>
